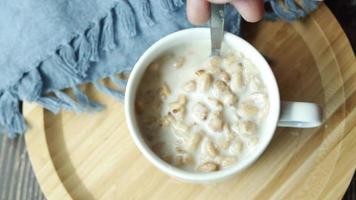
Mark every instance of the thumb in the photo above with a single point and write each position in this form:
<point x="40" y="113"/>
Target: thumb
<point x="250" y="10"/>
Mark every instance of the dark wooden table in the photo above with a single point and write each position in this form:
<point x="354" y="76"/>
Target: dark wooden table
<point x="17" y="180"/>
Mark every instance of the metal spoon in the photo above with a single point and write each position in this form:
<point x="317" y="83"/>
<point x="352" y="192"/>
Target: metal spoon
<point x="216" y="28"/>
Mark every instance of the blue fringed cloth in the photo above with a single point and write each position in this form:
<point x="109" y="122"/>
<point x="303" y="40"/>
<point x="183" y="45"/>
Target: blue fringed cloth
<point x="49" y="45"/>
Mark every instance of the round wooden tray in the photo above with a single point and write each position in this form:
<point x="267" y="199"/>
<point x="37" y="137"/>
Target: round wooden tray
<point x="91" y="156"/>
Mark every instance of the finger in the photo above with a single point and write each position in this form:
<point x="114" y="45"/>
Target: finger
<point x="250" y="10"/>
<point x="219" y="1"/>
<point x="198" y="11"/>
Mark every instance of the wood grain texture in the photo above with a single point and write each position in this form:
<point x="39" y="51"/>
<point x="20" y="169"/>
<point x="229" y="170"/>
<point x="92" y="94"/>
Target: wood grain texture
<point x="14" y="162"/>
<point x="91" y="156"/>
<point x="17" y="180"/>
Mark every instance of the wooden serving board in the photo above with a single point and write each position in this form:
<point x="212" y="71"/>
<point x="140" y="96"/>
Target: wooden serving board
<point x="91" y="156"/>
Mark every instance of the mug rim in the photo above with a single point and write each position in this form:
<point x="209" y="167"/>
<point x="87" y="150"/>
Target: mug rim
<point x="129" y="104"/>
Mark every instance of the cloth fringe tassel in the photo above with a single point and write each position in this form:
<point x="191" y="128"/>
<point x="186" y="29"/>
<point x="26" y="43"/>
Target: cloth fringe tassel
<point x="75" y="58"/>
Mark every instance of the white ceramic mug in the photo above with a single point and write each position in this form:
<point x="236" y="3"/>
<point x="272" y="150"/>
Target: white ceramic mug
<point x="285" y="114"/>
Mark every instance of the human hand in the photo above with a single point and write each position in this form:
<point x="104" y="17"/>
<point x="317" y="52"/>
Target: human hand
<point x="199" y="10"/>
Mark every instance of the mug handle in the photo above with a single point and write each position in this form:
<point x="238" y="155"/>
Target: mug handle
<point x="300" y="115"/>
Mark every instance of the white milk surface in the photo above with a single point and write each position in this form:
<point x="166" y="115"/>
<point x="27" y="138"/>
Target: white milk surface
<point x="153" y="107"/>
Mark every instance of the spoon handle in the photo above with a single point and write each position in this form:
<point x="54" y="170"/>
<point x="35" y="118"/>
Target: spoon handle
<point x="216" y="28"/>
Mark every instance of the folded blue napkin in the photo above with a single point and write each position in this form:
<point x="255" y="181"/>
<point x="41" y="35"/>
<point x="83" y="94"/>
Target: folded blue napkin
<point x="49" y="45"/>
